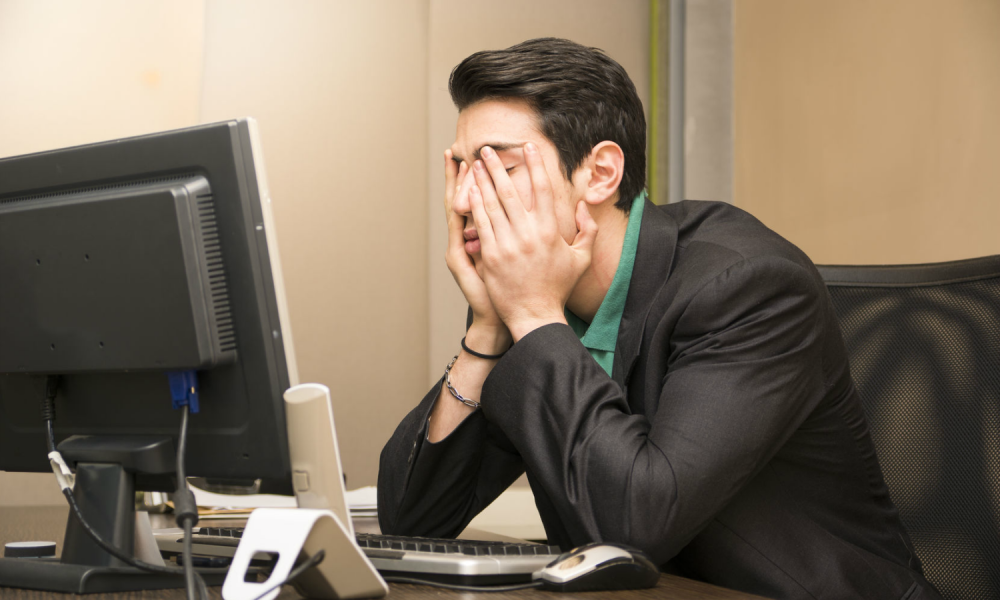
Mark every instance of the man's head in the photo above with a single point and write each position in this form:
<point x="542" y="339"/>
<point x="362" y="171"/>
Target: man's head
<point x="579" y="95"/>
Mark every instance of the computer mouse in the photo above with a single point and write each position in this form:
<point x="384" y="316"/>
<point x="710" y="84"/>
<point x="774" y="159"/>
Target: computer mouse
<point x="598" y="567"/>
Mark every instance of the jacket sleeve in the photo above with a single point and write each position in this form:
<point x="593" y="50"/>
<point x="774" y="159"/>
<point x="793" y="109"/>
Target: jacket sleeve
<point x="435" y="489"/>
<point x="743" y="373"/>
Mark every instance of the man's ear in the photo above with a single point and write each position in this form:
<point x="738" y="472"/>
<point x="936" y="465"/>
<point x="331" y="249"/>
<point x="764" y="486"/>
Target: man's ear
<point x="606" y="166"/>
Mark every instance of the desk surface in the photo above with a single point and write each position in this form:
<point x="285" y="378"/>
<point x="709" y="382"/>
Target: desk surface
<point x="49" y="523"/>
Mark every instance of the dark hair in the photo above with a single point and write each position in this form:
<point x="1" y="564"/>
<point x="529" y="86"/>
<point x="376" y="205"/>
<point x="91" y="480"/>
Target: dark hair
<point x="581" y="95"/>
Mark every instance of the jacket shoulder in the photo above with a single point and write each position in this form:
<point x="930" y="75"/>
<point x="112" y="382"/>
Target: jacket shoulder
<point x="729" y="227"/>
<point x="720" y="235"/>
<point x="715" y="237"/>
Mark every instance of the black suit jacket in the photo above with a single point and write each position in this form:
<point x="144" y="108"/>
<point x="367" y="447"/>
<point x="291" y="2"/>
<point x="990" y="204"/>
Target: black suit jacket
<point x="729" y="442"/>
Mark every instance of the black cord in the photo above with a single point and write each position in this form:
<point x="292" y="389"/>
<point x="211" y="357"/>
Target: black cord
<point x="314" y="560"/>
<point x="192" y="577"/>
<point x="202" y="587"/>
<point x="49" y="409"/>
<point x="465" y="588"/>
<point x="182" y="448"/>
<point x="48" y="413"/>
<point x="185" y="518"/>
<point x="188" y="563"/>
<point x="51" y="438"/>
<point x="112" y="550"/>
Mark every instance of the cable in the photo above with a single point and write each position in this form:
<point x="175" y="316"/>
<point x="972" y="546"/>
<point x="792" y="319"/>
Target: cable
<point x="187" y="513"/>
<point x="314" y="560"/>
<point x="182" y="448"/>
<point x="202" y="587"/>
<point x="184" y="503"/>
<point x="48" y="413"/>
<point x="49" y="409"/>
<point x="112" y="550"/>
<point x="192" y="577"/>
<point x="465" y="588"/>
<point x="187" y="561"/>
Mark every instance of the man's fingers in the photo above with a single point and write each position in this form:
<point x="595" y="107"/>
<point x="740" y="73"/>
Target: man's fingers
<point x="461" y="193"/>
<point x="456" y="224"/>
<point x="491" y="203"/>
<point x="453" y="176"/>
<point x="540" y="184"/>
<point x="484" y="226"/>
<point x="461" y="186"/>
<point x="505" y="190"/>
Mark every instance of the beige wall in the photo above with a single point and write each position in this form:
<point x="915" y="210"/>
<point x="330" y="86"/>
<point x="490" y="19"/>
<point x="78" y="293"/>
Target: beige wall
<point x="353" y="110"/>
<point x="459" y="28"/>
<point x="868" y="131"/>
<point x="339" y="90"/>
<point x="72" y="73"/>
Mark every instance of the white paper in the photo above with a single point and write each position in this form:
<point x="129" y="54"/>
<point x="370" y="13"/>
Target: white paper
<point x="213" y="500"/>
<point x="365" y="498"/>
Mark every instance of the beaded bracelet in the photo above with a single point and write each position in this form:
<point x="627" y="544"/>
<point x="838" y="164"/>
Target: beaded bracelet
<point x="454" y="392"/>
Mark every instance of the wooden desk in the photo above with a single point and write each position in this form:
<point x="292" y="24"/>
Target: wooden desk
<point x="49" y="523"/>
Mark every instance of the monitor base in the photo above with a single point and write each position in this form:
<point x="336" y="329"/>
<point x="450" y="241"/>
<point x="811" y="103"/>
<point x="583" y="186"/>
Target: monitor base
<point x="52" y="576"/>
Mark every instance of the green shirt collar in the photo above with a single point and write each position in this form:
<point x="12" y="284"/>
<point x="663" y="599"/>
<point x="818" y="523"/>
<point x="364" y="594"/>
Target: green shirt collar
<point x="601" y="336"/>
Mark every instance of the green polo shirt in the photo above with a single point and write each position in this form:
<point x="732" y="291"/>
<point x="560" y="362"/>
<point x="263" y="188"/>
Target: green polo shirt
<point x="601" y="335"/>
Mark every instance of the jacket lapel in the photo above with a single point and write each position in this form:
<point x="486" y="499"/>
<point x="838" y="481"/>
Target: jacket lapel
<point x="654" y="257"/>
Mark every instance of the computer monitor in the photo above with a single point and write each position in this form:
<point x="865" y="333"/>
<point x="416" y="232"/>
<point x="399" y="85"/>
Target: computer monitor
<point x="121" y="262"/>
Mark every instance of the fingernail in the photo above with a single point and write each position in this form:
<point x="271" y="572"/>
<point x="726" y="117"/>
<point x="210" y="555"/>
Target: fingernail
<point x="487" y="152"/>
<point x="479" y="165"/>
<point x="529" y="148"/>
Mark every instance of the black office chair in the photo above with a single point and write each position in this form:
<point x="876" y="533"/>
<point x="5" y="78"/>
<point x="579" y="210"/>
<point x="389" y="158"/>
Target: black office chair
<point x="924" y="347"/>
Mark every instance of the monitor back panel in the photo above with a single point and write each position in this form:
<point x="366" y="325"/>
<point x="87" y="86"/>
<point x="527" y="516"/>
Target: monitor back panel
<point x="240" y="431"/>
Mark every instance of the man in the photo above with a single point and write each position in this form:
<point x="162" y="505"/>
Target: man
<point x="671" y="377"/>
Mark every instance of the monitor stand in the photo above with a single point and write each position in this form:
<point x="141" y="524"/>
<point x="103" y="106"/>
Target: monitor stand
<point x="105" y="491"/>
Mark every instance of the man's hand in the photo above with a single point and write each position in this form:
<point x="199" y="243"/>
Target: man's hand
<point x="488" y="333"/>
<point x="529" y="269"/>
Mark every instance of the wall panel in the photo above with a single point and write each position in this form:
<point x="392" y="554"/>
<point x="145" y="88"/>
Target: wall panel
<point x="868" y="131"/>
<point x="339" y="91"/>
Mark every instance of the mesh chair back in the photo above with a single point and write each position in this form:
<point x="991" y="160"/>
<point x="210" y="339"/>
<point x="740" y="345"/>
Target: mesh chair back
<point x="924" y="347"/>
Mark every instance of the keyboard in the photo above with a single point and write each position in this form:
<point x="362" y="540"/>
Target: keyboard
<point x="470" y="562"/>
